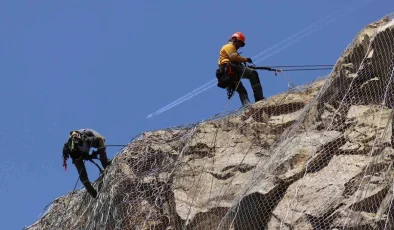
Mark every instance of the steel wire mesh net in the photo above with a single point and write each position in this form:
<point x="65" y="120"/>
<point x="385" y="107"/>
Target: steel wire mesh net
<point x="318" y="156"/>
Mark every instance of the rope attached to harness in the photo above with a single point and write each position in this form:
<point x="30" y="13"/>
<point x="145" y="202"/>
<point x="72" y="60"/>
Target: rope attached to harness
<point x="285" y="70"/>
<point x="230" y="88"/>
<point x="100" y="169"/>
<point x="290" y="85"/>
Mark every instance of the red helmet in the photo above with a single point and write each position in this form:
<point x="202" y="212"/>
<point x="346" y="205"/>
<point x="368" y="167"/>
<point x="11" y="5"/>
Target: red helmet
<point x="239" y="36"/>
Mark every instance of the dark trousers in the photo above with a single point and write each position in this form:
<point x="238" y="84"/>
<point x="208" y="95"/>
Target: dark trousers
<point x="83" y="176"/>
<point x="243" y="72"/>
<point x="81" y="169"/>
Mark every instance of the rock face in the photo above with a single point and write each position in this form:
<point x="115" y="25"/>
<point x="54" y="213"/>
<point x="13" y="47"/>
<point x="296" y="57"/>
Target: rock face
<point x="316" y="157"/>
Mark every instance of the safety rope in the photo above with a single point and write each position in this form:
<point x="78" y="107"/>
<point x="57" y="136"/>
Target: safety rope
<point x="115" y="145"/>
<point x="271" y="68"/>
<point x="287" y="66"/>
<point x="287" y="70"/>
<point x="290" y="84"/>
<point x="95" y="157"/>
<point x="99" y="168"/>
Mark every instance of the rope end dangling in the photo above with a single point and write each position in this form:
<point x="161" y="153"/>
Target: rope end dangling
<point x="65" y="164"/>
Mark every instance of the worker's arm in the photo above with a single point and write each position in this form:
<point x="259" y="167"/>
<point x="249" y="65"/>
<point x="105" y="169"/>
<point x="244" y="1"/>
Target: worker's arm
<point x="233" y="54"/>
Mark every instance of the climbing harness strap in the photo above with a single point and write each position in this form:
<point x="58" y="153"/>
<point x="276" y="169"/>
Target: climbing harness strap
<point x="233" y="76"/>
<point x="100" y="169"/>
<point x="230" y="92"/>
<point x="226" y="79"/>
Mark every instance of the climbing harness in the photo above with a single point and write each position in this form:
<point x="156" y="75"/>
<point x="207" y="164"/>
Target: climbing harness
<point x="226" y="79"/>
<point x="232" y="87"/>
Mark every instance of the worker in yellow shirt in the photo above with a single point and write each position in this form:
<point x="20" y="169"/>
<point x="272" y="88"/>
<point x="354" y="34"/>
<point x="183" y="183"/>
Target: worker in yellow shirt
<point x="231" y="70"/>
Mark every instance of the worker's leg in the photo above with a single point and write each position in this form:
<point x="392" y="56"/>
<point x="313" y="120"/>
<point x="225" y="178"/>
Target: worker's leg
<point x="254" y="79"/>
<point x="99" y="143"/>
<point x="83" y="176"/>
<point x="243" y="94"/>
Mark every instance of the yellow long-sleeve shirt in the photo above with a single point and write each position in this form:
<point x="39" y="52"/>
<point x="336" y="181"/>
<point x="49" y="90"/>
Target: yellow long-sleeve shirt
<point x="229" y="53"/>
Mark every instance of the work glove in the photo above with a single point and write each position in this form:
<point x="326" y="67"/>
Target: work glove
<point x="249" y="60"/>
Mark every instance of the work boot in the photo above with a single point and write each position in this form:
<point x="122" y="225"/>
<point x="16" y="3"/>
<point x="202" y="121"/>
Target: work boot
<point x="103" y="158"/>
<point x="258" y="98"/>
<point x="105" y="163"/>
<point x="92" y="192"/>
<point x="258" y="93"/>
<point x="90" y="189"/>
<point x="244" y="100"/>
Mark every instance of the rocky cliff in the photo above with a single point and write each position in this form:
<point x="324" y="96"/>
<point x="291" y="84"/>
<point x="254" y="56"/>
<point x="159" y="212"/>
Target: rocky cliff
<point x="318" y="156"/>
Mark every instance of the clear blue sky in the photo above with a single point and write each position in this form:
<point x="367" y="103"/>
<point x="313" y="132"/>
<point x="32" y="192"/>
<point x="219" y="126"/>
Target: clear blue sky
<point x="106" y="65"/>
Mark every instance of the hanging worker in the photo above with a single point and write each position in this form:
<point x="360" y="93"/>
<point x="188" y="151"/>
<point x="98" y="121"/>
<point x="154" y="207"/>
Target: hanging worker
<point x="231" y="70"/>
<point x="78" y="146"/>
